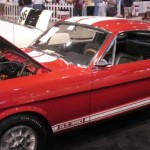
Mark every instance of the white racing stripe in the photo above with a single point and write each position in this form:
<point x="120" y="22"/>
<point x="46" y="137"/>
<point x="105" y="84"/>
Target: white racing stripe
<point x="118" y="110"/>
<point x="75" y="19"/>
<point x="41" y="57"/>
<point x="100" y="115"/>
<point x="90" y="20"/>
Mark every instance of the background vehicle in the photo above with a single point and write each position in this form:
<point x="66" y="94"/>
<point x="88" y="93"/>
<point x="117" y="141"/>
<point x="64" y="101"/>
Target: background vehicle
<point x="80" y="71"/>
<point x="29" y="26"/>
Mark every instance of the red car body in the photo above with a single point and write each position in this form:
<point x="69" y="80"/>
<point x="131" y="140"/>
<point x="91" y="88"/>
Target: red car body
<point x="66" y="96"/>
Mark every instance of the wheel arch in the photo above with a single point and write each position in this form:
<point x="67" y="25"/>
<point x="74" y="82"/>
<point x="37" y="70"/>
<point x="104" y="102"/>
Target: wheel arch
<point x="32" y="113"/>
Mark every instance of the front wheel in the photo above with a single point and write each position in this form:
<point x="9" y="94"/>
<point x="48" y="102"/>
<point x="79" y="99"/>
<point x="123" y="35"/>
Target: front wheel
<point x="22" y="132"/>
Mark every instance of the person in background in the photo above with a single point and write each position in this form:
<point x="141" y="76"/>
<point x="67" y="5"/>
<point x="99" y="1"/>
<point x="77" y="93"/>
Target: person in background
<point x="103" y="8"/>
<point x="24" y="3"/>
<point x="89" y="4"/>
<point x="2" y="5"/>
<point x="128" y="8"/>
<point x="69" y="1"/>
<point x="97" y="7"/>
<point x="38" y="4"/>
<point x="78" y="4"/>
<point x="111" y="8"/>
<point x="122" y="7"/>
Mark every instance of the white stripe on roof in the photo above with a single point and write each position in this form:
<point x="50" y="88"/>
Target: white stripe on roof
<point x="90" y="20"/>
<point x="76" y="19"/>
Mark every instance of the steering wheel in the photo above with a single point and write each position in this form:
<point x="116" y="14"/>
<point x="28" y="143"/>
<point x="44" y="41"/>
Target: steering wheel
<point x="89" y="50"/>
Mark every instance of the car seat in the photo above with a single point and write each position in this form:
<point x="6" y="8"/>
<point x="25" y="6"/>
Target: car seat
<point x="91" y="48"/>
<point x="126" y="57"/>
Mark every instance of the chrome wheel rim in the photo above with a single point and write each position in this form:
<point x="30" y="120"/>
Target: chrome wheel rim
<point x="19" y="138"/>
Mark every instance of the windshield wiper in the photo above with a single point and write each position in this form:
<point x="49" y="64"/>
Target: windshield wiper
<point x="33" y="47"/>
<point x="53" y="53"/>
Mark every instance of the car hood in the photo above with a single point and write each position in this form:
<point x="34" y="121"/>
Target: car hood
<point x="49" y="61"/>
<point x="4" y="44"/>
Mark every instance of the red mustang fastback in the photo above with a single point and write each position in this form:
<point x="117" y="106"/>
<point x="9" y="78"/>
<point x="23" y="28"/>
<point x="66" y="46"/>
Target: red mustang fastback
<point x="80" y="71"/>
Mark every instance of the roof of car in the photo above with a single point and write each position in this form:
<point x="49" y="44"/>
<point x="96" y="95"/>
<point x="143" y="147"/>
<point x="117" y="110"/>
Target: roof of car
<point x="111" y="23"/>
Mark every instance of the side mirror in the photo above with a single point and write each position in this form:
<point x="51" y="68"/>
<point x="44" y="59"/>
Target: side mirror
<point x="102" y="63"/>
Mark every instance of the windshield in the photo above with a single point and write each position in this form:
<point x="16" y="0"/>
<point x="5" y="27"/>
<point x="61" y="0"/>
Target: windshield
<point x="74" y="43"/>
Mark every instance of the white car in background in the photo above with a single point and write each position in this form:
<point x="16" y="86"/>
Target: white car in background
<point x="30" y="25"/>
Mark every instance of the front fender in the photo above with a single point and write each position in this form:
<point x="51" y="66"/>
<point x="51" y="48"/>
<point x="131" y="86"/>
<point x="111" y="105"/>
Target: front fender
<point x="23" y="109"/>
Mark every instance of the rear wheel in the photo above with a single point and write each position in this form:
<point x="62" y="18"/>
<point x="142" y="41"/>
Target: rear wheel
<point x="22" y="132"/>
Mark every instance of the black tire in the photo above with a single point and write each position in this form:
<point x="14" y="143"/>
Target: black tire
<point x="22" y="131"/>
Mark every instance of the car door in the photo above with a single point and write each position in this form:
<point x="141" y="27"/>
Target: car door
<point x="118" y="88"/>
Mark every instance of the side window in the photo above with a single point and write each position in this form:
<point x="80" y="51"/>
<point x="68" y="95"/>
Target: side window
<point x="138" y="44"/>
<point x="128" y="47"/>
<point x="123" y="54"/>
